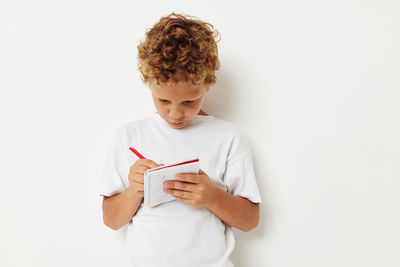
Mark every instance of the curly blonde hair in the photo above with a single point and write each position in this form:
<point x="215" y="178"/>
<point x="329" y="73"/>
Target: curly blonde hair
<point x="179" y="48"/>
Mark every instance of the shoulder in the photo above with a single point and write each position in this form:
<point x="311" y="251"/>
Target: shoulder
<point x="223" y="126"/>
<point x="231" y="129"/>
<point x="233" y="135"/>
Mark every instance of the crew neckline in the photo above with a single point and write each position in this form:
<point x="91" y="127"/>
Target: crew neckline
<point x="196" y="118"/>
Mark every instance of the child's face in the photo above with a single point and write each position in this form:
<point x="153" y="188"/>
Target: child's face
<point x="179" y="103"/>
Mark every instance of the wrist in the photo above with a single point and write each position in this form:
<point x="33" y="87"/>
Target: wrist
<point x="215" y="197"/>
<point x="133" y="194"/>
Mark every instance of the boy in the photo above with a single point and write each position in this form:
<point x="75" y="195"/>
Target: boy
<point x="178" y="60"/>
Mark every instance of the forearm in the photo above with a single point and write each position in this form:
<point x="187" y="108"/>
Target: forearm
<point x="119" y="209"/>
<point x="235" y="211"/>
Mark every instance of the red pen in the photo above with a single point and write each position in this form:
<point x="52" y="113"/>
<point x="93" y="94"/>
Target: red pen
<point x="136" y="153"/>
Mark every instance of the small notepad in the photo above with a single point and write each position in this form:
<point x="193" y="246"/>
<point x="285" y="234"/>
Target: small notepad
<point x="154" y="179"/>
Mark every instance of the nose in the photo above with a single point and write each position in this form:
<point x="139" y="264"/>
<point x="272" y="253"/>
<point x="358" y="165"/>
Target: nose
<point x="175" y="114"/>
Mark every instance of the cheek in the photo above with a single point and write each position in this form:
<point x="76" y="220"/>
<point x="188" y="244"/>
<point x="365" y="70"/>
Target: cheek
<point x="192" y="110"/>
<point x="161" y="109"/>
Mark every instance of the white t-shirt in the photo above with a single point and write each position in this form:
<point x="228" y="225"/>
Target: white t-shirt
<point x="174" y="233"/>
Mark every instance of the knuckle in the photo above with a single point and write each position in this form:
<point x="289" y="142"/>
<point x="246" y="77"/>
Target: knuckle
<point x="137" y="180"/>
<point x="149" y="163"/>
<point x="138" y="162"/>
<point x="144" y="169"/>
<point x="142" y="162"/>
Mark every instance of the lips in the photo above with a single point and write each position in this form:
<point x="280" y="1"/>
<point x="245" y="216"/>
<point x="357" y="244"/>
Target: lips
<point x="177" y="123"/>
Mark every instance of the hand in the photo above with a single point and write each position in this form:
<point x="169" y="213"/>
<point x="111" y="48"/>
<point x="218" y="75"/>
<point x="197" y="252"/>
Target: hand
<point x="136" y="175"/>
<point x="193" y="189"/>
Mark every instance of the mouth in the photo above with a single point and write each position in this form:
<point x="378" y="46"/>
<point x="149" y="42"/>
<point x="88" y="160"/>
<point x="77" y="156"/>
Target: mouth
<point x="177" y="123"/>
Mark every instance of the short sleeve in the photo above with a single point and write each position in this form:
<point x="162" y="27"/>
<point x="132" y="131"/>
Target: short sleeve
<point x="239" y="174"/>
<point x="114" y="179"/>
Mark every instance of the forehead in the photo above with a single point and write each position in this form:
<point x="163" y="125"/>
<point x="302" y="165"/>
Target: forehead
<point x="178" y="91"/>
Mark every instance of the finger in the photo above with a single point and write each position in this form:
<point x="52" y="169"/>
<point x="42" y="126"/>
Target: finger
<point x="138" y="179"/>
<point x="134" y="176"/>
<point x="184" y="200"/>
<point x="188" y="177"/>
<point x="148" y="163"/>
<point x="178" y="193"/>
<point x="138" y="186"/>
<point x="139" y="169"/>
<point x="201" y="172"/>
<point x="183" y="186"/>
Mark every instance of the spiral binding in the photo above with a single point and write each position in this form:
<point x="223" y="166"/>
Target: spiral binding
<point x="146" y="189"/>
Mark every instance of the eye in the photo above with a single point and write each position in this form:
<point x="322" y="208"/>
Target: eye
<point x="188" y="102"/>
<point x="163" y="101"/>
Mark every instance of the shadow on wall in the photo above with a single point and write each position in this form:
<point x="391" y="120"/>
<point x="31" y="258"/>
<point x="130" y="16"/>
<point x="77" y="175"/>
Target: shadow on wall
<point x="222" y="101"/>
<point x="219" y="100"/>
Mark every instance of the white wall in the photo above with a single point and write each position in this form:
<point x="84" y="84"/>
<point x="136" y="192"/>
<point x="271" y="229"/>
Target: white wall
<point x="314" y="84"/>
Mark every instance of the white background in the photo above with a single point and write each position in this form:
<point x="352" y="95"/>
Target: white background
<point x="313" y="84"/>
